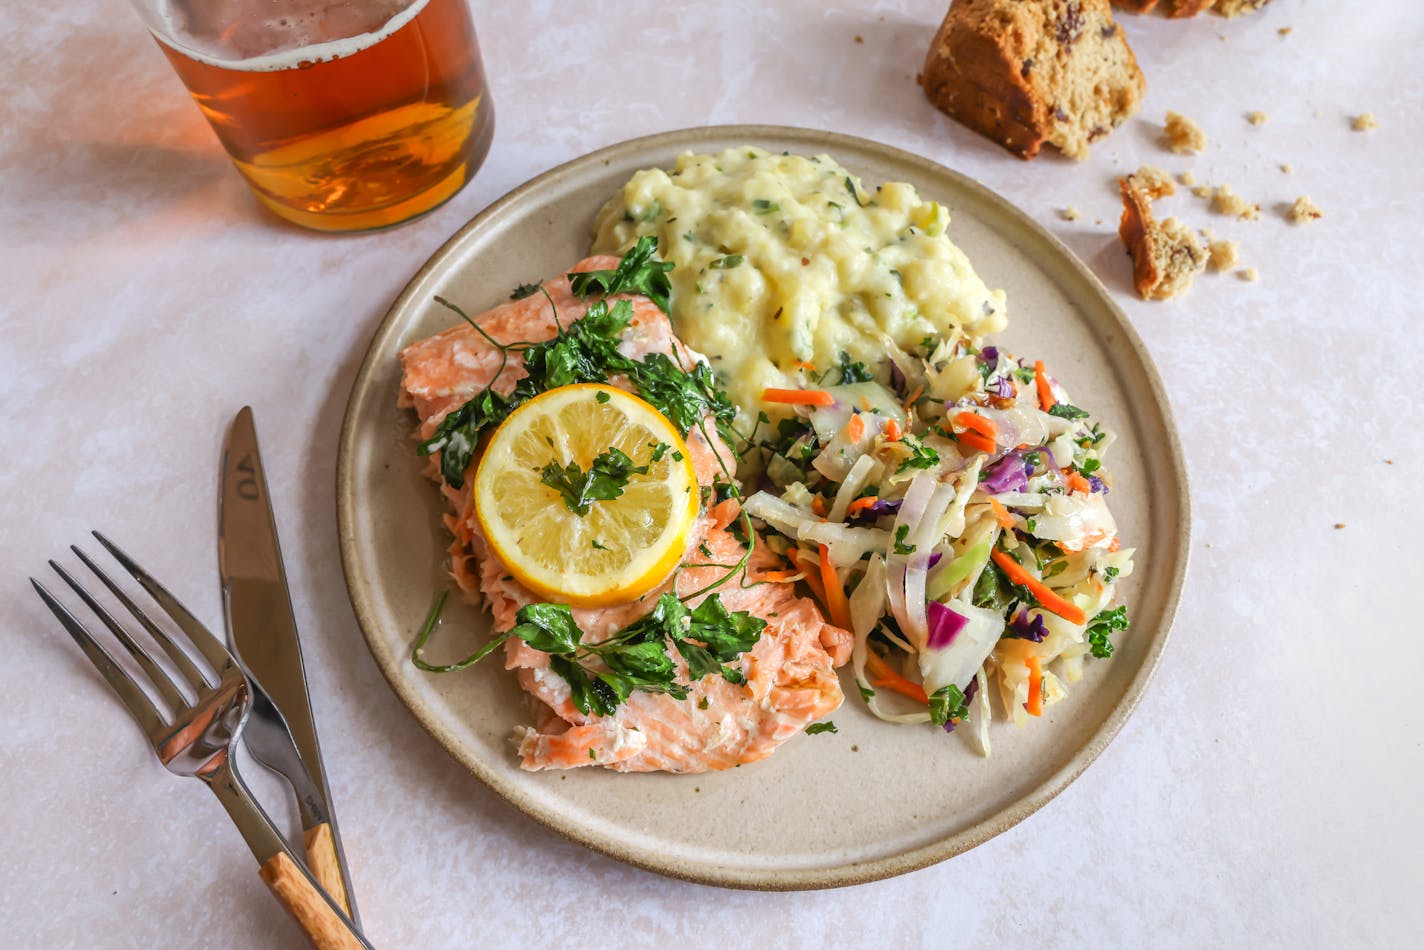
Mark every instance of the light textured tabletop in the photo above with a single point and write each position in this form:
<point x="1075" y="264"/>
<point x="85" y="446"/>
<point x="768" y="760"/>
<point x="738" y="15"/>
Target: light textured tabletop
<point x="1264" y="794"/>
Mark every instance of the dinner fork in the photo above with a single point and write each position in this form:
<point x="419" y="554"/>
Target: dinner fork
<point x="196" y="737"/>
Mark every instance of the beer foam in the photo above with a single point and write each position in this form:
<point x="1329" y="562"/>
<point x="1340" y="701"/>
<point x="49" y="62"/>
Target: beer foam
<point x="293" y="37"/>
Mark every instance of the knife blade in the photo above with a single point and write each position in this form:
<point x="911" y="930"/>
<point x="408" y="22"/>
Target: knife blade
<point x="262" y="629"/>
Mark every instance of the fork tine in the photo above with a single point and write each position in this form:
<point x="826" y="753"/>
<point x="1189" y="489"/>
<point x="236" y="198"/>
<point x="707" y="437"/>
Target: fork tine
<point x="132" y="695"/>
<point x="207" y="644"/>
<point x="165" y="686"/>
<point x="195" y="677"/>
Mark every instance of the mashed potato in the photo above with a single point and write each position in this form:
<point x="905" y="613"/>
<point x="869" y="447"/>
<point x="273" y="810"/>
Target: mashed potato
<point x="784" y="262"/>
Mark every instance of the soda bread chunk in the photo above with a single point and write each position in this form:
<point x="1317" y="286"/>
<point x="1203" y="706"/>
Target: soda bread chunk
<point x="1025" y="72"/>
<point x="1166" y="256"/>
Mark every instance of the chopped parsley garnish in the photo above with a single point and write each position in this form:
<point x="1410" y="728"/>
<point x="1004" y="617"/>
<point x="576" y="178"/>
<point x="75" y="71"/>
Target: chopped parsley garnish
<point x="1024" y="375"/>
<point x="726" y="263"/>
<point x="586" y="351"/>
<point x="900" y="546"/>
<point x="636" y="657"/>
<point x="604" y="481"/>
<point x="601" y="397"/>
<point x="1065" y="410"/>
<point x="524" y="290"/>
<point x="639" y="272"/>
<point x="595" y="543"/>
<point x="866" y="693"/>
<point x="659" y="450"/>
<point x="1102" y="626"/>
<point x="853" y="372"/>
<point x="850" y="187"/>
<point x="816" y="728"/>
<point x="763" y="206"/>
<point x="921" y="455"/>
<point x="1110" y="572"/>
<point x="1089" y="466"/>
<point x="948" y="703"/>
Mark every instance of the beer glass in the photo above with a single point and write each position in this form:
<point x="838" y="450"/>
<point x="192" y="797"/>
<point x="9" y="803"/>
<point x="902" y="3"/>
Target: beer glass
<point x="342" y="115"/>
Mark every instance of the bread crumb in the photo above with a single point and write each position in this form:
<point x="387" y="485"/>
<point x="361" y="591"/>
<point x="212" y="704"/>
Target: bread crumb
<point x="1154" y="182"/>
<point x="1069" y="213"/>
<point x="1284" y="31"/>
<point x="859" y="38"/>
<point x="1248" y="274"/>
<point x="1202" y="191"/>
<point x="1226" y="201"/>
<point x="1364" y="122"/>
<point x="1339" y="525"/>
<point x="1166" y="256"/>
<point x="1257" y="118"/>
<point x="1223" y="255"/>
<point x="1288" y="169"/>
<point x="1182" y="134"/>
<point x="1187" y="178"/>
<point x="1303" y="210"/>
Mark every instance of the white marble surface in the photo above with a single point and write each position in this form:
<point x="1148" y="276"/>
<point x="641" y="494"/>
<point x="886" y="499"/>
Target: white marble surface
<point x="1265" y="793"/>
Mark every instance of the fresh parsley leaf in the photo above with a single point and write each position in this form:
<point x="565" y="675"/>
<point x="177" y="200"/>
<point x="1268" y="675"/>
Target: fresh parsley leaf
<point x="853" y="372"/>
<point x="524" y="290"/>
<point x="900" y="546"/>
<point x="816" y="728"/>
<point x="639" y="272"/>
<point x="1110" y="572"/>
<point x="1102" y="626"/>
<point x="604" y="481"/>
<point x="1065" y="410"/>
<point x="948" y="703"/>
<point x="659" y="450"/>
<point x="726" y="263"/>
<point x="547" y="627"/>
<point x="727" y="634"/>
<point x="1024" y="375"/>
<point x="458" y="433"/>
<point x="1089" y="466"/>
<point x="921" y="455"/>
<point x="866" y="693"/>
<point x="601" y="397"/>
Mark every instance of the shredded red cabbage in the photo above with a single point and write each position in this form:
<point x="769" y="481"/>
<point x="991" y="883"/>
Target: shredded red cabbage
<point x="1003" y="387"/>
<point x="935" y="557"/>
<point x="1007" y="474"/>
<point x="990" y="355"/>
<point x="897" y="379"/>
<point x="1097" y="484"/>
<point x="1033" y="455"/>
<point x="882" y="507"/>
<point x="944" y="625"/>
<point x="1025" y="627"/>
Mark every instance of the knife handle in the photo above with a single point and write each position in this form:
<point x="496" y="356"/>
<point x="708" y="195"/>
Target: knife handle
<point x="324" y="927"/>
<point x="320" y="847"/>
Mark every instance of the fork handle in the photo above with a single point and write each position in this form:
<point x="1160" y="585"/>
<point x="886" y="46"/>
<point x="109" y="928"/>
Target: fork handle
<point x="323" y="926"/>
<point x="320" y="846"/>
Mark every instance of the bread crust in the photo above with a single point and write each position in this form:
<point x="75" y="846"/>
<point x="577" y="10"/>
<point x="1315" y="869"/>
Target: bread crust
<point x="1025" y="72"/>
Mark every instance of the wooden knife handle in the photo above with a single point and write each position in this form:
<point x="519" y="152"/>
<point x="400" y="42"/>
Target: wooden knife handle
<point x="324" y="927"/>
<point x="321" y="858"/>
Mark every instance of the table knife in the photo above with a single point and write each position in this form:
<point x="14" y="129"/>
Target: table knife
<point x="262" y="630"/>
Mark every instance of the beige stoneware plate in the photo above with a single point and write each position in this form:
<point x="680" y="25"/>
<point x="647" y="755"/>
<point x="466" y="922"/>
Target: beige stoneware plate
<point x="876" y="799"/>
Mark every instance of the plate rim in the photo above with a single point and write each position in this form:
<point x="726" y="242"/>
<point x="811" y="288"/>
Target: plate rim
<point x="841" y="875"/>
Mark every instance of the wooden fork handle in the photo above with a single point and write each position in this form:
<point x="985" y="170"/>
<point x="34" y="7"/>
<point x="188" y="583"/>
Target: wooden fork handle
<point x="324" y="927"/>
<point x="320" y="847"/>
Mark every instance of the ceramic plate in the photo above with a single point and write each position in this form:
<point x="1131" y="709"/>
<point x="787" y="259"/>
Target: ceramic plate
<point x="876" y="799"/>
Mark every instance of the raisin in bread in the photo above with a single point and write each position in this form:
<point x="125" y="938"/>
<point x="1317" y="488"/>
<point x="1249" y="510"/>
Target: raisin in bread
<point x="1025" y="72"/>
<point x="1166" y="256"/>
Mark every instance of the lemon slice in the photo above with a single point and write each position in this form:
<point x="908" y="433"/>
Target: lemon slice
<point x="619" y="548"/>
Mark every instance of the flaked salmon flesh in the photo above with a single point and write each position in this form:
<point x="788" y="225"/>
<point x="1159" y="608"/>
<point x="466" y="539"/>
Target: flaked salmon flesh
<point x="790" y="675"/>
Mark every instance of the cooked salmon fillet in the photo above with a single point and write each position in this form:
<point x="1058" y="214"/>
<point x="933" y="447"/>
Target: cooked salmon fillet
<point x="790" y="677"/>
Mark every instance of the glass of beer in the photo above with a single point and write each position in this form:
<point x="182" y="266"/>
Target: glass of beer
<point x="342" y="115"/>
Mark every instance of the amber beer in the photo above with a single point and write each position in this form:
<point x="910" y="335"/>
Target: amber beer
<point x="342" y="116"/>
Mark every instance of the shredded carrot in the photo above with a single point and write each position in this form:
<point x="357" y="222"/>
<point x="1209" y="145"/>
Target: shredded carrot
<point x="977" y="423"/>
<point x="799" y="397"/>
<point x="808" y="367"/>
<point x="1002" y="514"/>
<point x="778" y="577"/>
<point x="1050" y="601"/>
<point x="835" y="593"/>
<point x="914" y="398"/>
<point x="1116" y="544"/>
<point x="884" y="677"/>
<point x="1045" y="392"/>
<point x="1077" y="483"/>
<point x="976" y="441"/>
<point x="855" y="428"/>
<point x="818" y="505"/>
<point x="812" y="579"/>
<point x="1035" y="687"/>
<point x="892" y="431"/>
<point x="860" y="504"/>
